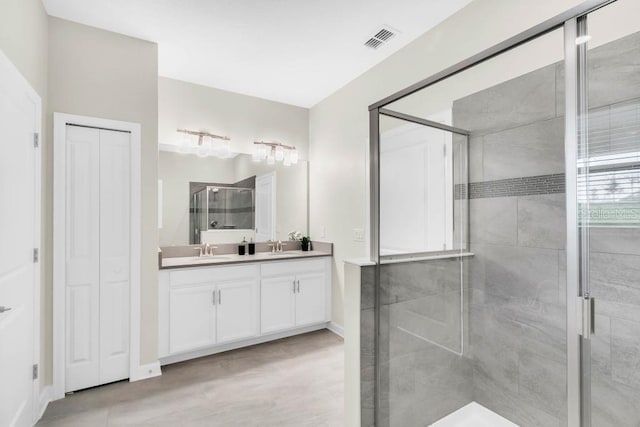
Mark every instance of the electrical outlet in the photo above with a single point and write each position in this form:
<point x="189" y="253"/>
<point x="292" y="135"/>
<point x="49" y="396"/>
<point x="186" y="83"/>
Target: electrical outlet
<point x="323" y="232"/>
<point x="358" y="235"/>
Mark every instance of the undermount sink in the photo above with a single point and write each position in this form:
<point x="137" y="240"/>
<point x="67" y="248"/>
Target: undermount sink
<point x="207" y="258"/>
<point x="218" y="257"/>
<point x="285" y="253"/>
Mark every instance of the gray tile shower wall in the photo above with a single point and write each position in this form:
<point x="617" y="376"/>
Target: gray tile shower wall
<point x="514" y="305"/>
<point x="367" y="346"/>
<point x="424" y="375"/>
<point x="517" y="232"/>
<point x="517" y="335"/>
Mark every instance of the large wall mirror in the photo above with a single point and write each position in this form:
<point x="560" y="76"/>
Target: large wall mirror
<point x="214" y="200"/>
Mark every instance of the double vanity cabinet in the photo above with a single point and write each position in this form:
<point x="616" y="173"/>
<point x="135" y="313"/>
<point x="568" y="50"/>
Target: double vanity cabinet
<point x="208" y="309"/>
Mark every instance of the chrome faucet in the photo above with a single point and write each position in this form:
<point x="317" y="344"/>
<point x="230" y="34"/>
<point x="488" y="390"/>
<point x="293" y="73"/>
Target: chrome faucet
<point x="207" y="250"/>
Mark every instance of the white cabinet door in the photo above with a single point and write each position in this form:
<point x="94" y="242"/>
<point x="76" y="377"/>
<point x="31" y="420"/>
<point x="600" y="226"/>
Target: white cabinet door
<point x="192" y="321"/>
<point x="277" y="303"/>
<point x="310" y="298"/>
<point x="237" y="310"/>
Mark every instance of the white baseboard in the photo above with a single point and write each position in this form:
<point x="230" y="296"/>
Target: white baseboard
<point x="336" y="329"/>
<point x="147" y="371"/>
<point x="46" y="397"/>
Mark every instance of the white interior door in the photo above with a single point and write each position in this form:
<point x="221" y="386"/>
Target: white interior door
<point x="18" y="123"/>
<point x="265" y="207"/>
<point x="97" y="243"/>
<point x="237" y="310"/>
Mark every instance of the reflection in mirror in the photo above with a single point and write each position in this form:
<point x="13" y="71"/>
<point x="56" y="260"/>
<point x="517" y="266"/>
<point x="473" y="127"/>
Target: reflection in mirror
<point x="220" y="207"/>
<point x="419" y="173"/>
<point x="213" y="200"/>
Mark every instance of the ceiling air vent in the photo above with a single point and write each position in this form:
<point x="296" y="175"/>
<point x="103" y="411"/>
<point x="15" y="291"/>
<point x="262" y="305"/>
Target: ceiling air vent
<point x="381" y="36"/>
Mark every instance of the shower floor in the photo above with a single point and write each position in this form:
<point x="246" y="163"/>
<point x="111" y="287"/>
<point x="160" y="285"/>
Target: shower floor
<point x="473" y="415"/>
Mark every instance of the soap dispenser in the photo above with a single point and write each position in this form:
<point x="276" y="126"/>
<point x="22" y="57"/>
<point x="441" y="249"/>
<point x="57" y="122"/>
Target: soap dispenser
<point x="242" y="247"/>
<point x="252" y="247"/>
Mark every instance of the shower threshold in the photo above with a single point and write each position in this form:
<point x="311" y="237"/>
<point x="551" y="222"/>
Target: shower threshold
<point x="473" y="415"/>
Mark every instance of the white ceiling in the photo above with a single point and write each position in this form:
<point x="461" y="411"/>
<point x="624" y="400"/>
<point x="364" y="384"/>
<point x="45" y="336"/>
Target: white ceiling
<point x="292" y="51"/>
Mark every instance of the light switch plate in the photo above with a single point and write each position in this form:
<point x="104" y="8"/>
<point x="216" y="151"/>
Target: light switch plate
<point x="358" y="235"/>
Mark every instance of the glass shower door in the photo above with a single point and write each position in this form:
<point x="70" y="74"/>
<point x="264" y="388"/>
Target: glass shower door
<point x="609" y="214"/>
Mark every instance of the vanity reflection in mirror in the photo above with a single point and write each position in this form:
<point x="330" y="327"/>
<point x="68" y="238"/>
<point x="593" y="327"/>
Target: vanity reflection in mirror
<point x="225" y="200"/>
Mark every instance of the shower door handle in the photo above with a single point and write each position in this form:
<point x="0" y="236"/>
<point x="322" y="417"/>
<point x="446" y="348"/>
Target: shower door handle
<point x="586" y="313"/>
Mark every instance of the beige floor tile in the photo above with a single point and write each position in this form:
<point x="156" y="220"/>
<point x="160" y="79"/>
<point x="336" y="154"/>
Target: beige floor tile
<point x="293" y="382"/>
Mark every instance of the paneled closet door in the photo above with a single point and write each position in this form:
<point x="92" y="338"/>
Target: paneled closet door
<point x="115" y="213"/>
<point x="97" y="254"/>
<point x="82" y="258"/>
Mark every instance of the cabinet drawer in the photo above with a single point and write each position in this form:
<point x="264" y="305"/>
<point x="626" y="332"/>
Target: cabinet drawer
<point x="271" y="269"/>
<point x="212" y="274"/>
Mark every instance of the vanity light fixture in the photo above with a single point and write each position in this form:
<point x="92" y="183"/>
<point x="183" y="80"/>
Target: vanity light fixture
<point x="274" y="152"/>
<point x="204" y="144"/>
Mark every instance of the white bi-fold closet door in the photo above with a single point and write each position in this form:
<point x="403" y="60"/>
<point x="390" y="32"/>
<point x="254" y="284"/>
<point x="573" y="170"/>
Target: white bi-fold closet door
<point x="98" y="236"/>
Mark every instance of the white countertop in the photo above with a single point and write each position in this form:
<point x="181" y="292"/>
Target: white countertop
<point x="223" y="259"/>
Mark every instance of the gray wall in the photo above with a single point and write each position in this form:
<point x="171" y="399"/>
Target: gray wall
<point x="243" y="118"/>
<point x="97" y="73"/>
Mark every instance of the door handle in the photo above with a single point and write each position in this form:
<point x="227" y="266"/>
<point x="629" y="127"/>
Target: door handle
<point x="214" y="297"/>
<point x="298" y="282"/>
<point x="3" y="308"/>
<point x="294" y="286"/>
<point x="219" y="297"/>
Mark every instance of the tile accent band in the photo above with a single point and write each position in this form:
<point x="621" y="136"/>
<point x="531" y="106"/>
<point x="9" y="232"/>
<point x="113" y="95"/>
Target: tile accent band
<point x="512" y="187"/>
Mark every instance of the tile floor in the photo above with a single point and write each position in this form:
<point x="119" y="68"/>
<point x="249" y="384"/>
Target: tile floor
<point x="295" y="381"/>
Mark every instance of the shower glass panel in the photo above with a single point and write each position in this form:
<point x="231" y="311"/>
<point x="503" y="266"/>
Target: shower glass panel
<point x="197" y="215"/>
<point x="471" y="296"/>
<point x="609" y="204"/>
